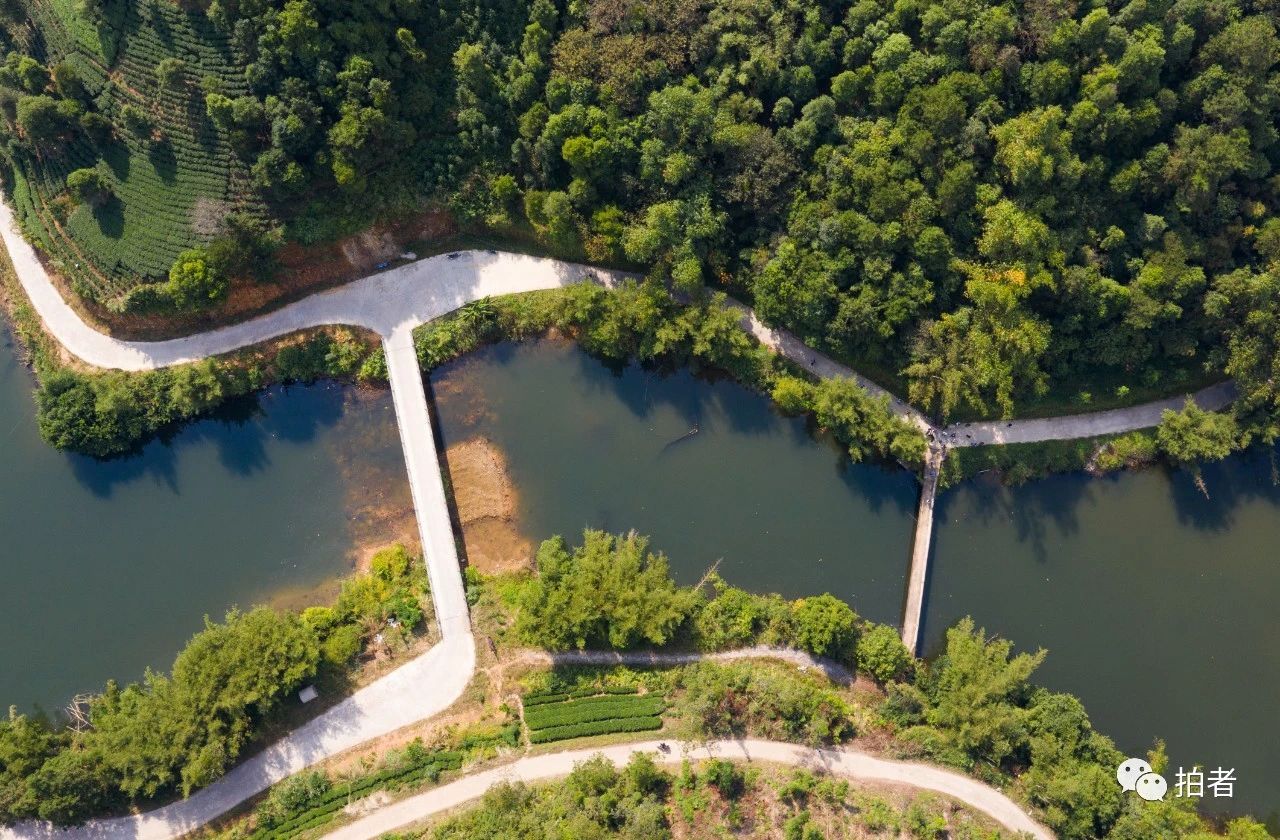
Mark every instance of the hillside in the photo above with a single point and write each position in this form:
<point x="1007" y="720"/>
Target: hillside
<point x="170" y="172"/>
<point x="997" y="206"/>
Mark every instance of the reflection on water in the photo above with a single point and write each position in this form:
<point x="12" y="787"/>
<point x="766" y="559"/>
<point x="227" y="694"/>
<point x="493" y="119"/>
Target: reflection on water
<point x="1156" y="604"/>
<point x="589" y="447"/>
<point x="110" y="566"/>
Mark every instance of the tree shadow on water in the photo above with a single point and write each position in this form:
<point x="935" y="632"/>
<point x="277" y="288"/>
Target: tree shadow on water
<point x="1031" y="508"/>
<point x="239" y="431"/>
<point x="1231" y="483"/>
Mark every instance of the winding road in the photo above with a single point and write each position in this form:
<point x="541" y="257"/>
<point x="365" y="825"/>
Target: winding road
<point x="850" y="764"/>
<point x="392" y="303"/>
<point x="406" y="296"/>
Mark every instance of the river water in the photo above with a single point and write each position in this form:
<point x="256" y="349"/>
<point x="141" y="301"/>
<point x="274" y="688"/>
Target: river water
<point x="754" y="491"/>
<point x="108" y="567"/>
<point x="1158" y="606"/>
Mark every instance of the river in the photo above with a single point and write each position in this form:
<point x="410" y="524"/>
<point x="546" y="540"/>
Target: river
<point x="1157" y="605"/>
<point x="752" y="490"/>
<point x="109" y="567"/>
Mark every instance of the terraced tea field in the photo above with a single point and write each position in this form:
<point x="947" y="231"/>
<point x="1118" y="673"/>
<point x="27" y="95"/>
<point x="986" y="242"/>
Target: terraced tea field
<point x="558" y="717"/>
<point x="169" y="188"/>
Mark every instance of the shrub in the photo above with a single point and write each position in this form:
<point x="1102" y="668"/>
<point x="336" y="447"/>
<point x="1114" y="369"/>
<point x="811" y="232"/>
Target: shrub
<point x="390" y="589"/>
<point x="41" y="119"/>
<point x="149" y="297"/>
<point x="193" y="283"/>
<point x="1131" y="450"/>
<point x="245" y="247"/>
<point x="826" y="626"/>
<point x="322" y="355"/>
<point x="96" y="127"/>
<point x="540" y="699"/>
<point x="924" y="819"/>
<point x="341" y="646"/>
<point x="89" y="186"/>
<point x="170" y="72"/>
<point x="292" y="796"/>
<point x="726" y="701"/>
<point x="136" y="120"/>
<point x="727" y="778"/>
<point x="374" y="367"/>
<point x="737" y="618"/>
<point x="321" y="619"/>
<point x="882" y="654"/>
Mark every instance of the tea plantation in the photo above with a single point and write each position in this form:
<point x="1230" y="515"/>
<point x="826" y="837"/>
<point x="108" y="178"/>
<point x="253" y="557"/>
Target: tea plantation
<point x="560" y="716"/>
<point x="169" y="170"/>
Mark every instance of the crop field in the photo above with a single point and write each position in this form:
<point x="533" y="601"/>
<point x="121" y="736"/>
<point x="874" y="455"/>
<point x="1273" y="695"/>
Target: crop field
<point x="168" y="188"/>
<point x="558" y="716"/>
<point x="428" y="770"/>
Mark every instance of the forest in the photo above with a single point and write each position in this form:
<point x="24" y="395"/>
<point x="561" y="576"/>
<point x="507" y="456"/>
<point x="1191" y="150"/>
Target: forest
<point x="988" y="204"/>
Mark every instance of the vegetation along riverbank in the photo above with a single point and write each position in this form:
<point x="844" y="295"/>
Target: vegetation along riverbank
<point x="1059" y="213"/>
<point x="973" y="708"/>
<point x="230" y="691"/>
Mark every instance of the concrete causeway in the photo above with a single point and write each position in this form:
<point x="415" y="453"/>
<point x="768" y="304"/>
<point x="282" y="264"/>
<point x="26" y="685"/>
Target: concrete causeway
<point x="392" y="303"/>
<point x="426" y="484"/>
<point x="918" y="574"/>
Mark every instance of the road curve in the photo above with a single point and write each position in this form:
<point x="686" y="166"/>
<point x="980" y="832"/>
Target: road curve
<point x="422" y="688"/>
<point x="392" y="303"/>
<point x="412" y="294"/>
<point x="851" y="764"/>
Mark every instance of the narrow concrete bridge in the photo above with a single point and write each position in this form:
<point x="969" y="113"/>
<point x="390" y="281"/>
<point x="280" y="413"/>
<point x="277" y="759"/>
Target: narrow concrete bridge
<point x="392" y="304"/>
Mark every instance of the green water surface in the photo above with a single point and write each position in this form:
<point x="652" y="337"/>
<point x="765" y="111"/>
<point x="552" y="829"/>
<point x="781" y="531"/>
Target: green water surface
<point x="107" y="568"/>
<point x="588" y="447"/>
<point x="1158" y="606"/>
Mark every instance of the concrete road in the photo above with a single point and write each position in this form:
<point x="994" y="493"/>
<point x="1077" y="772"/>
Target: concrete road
<point x="850" y="764"/>
<point x="424" y="687"/>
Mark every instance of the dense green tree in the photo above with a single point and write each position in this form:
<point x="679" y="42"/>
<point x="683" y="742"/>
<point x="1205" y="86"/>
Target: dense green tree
<point x="183" y="731"/>
<point x="25" y="745"/>
<point x="171" y="72"/>
<point x="862" y="422"/>
<point x="1193" y="434"/>
<point x="826" y="626"/>
<point x="89" y="186"/>
<point x="977" y="692"/>
<point x="608" y="592"/>
<point x="882" y="654"/>
<point x="43" y="119"/>
<point x="194" y="283"/>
